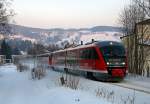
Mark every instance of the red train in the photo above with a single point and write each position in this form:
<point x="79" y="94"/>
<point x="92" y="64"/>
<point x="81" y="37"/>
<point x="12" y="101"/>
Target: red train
<point x="103" y="60"/>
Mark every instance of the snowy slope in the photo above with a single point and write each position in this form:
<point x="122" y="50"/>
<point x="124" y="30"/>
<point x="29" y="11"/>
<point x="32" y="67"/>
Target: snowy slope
<point x="105" y="36"/>
<point x="87" y="37"/>
<point x="60" y="36"/>
<point x="21" y="37"/>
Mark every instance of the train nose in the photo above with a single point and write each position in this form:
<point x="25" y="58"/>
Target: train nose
<point x="117" y="73"/>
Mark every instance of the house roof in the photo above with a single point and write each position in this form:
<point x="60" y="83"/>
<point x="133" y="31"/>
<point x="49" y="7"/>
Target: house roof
<point x="147" y="21"/>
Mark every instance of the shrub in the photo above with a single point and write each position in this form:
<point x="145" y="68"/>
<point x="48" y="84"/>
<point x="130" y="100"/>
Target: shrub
<point x="21" y="67"/>
<point x="71" y="81"/>
<point x="38" y="72"/>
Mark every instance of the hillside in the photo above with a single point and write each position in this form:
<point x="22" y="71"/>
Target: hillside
<point x="58" y="35"/>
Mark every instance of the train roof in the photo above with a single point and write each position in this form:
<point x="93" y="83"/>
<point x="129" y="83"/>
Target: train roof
<point x="106" y="43"/>
<point x="92" y="44"/>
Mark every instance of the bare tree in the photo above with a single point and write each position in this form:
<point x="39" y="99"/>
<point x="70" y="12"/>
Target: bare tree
<point x="37" y="49"/>
<point x="134" y="39"/>
<point x="128" y="18"/>
<point x="5" y="15"/>
<point x="145" y="5"/>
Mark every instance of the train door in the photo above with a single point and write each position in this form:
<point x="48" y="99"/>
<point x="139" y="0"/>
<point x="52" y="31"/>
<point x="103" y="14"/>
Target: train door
<point x="93" y="57"/>
<point x="87" y="58"/>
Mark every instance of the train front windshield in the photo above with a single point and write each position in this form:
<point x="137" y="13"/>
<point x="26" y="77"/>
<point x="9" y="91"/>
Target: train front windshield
<point x="113" y="51"/>
<point x="114" y="55"/>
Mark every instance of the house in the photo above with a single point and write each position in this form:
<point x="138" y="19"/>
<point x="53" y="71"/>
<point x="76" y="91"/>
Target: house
<point x="143" y="32"/>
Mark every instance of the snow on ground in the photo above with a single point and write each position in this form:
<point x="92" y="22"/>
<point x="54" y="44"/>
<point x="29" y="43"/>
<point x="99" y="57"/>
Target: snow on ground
<point x="139" y="80"/>
<point x="19" y="88"/>
<point x="135" y="82"/>
<point x="120" y="94"/>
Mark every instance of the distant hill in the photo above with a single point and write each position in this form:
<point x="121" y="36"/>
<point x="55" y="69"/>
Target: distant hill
<point x="31" y="31"/>
<point x="106" y="28"/>
<point x="58" y="35"/>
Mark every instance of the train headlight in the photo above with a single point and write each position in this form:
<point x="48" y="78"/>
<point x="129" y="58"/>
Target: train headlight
<point x="123" y="63"/>
<point x="108" y="63"/>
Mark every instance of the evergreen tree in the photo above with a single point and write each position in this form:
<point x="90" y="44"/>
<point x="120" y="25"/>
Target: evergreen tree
<point x="5" y="15"/>
<point x="15" y="51"/>
<point x="6" y="50"/>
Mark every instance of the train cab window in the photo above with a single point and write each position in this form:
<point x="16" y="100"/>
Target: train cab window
<point x="89" y="53"/>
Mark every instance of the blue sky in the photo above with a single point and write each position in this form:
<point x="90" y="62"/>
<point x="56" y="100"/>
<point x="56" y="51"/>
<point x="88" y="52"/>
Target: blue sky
<point x="67" y="13"/>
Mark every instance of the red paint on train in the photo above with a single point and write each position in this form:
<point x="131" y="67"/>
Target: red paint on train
<point x="101" y="57"/>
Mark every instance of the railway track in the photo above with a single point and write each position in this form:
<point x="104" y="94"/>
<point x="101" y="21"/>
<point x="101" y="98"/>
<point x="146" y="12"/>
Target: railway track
<point x="123" y="84"/>
<point x="132" y="86"/>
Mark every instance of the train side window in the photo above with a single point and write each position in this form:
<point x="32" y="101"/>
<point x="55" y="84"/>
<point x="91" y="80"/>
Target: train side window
<point x="93" y="54"/>
<point x="89" y="53"/>
<point x="84" y="54"/>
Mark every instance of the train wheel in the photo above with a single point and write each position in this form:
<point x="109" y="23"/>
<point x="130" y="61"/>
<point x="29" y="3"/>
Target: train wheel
<point x="89" y="75"/>
<point x="52" y="67"/>
<point x="66" y="70"/>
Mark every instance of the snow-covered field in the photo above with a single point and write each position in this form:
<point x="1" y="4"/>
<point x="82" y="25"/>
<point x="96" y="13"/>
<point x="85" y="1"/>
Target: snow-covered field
<point x="19" y="88"/>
